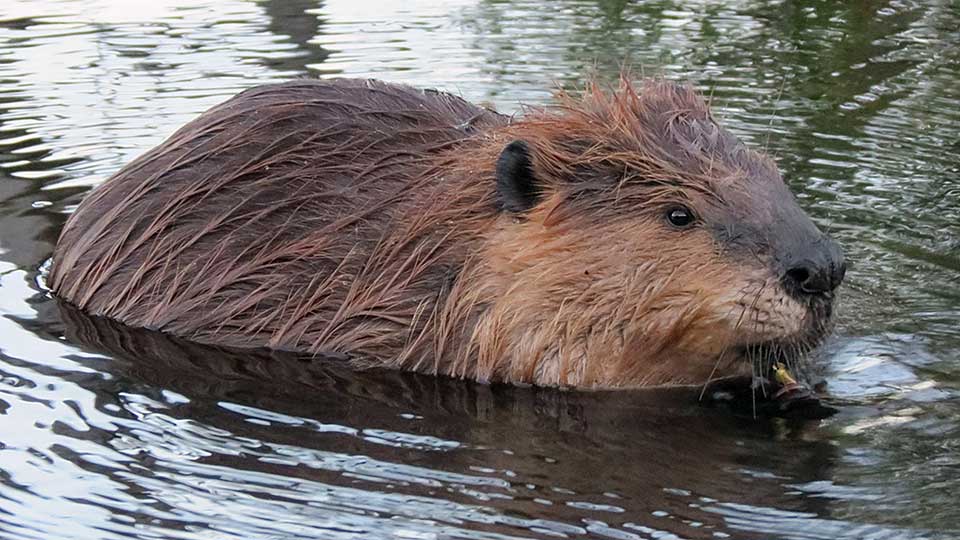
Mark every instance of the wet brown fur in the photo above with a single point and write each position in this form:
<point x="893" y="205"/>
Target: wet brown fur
<point x="362" y="217"/>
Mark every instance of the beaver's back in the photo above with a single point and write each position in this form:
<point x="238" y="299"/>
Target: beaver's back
<point x="274" y="218"/>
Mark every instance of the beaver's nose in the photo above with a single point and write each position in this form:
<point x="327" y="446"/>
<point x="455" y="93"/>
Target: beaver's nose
<point x="817" y="271"/>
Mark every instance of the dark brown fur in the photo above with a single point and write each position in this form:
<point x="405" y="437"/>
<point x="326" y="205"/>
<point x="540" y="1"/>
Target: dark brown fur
<point x="361" y="217"/>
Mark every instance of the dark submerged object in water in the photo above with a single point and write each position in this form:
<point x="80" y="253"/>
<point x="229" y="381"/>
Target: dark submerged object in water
<point x="212" y="371"/>
<point x="620" y="239"/>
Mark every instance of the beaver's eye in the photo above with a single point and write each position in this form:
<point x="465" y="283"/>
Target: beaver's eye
<point x="680" y="216"/>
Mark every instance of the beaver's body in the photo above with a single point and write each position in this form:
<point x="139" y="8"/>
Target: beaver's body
<point x="403" y="228"/>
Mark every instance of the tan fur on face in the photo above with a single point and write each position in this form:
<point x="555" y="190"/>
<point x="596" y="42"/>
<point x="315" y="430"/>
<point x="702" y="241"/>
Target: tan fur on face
<point x="582" y="293"/>
<point x="616" y="306"/>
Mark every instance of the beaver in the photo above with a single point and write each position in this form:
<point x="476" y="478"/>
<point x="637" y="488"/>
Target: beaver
<point x="619" y="237"/>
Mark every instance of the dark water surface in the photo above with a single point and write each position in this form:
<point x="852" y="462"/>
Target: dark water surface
<point x="152" y="438"/>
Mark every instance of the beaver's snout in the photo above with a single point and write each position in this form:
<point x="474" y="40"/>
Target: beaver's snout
<point x="814" y="270"/>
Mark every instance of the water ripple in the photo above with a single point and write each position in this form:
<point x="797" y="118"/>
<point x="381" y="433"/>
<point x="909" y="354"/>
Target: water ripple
<point x="858" y="102"/>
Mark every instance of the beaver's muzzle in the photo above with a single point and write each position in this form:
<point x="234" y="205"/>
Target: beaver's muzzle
<point x="813" y="270"/>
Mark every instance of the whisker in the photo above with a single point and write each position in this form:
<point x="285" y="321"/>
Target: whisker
<point x="773" y="115"/>
<point x="753" y="380"/>
<point x="756" y="325"/>
<point x="723" y="352"/>
<point x="754" y="354"/>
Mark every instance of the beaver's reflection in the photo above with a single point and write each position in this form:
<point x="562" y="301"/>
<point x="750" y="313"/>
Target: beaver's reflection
<point x="656" y="455"/>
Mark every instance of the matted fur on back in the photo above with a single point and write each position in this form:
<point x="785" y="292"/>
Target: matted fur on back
<point x="281" y="218"/>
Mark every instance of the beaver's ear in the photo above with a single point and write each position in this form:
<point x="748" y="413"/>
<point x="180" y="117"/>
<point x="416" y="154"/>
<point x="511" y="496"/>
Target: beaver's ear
<point x="517" y="188"/>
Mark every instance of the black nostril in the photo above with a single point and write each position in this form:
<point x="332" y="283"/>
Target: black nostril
<point x="808" y="279"/>
<point x="798" y="275"/>
<point x="815" y="269"/>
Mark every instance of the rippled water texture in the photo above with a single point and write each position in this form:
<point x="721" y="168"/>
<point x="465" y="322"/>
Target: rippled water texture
<point x="144" y="437"/>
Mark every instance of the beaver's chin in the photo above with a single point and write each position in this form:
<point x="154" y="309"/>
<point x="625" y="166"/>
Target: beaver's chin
<point x="788" y="350"/>
<point x="785" y="351"/>
<point x="793" y="347"/>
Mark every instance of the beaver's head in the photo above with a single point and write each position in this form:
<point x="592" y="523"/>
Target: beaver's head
<point x="642" y="243"/>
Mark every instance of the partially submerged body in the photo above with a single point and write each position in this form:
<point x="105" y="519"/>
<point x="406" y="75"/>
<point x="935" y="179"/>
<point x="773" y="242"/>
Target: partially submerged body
<point x="620" y="240"/>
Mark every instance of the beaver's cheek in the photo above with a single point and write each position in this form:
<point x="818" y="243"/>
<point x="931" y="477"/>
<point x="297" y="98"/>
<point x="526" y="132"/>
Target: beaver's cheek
<point x="714" y="304"/>
<point x="761" y="310"/>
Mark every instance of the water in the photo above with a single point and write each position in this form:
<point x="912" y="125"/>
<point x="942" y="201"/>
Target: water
<point x="143" y="437"/>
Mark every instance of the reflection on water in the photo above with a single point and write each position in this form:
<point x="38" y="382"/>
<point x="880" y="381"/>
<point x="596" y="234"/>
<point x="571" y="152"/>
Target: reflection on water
<point x="111" y="434"/>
